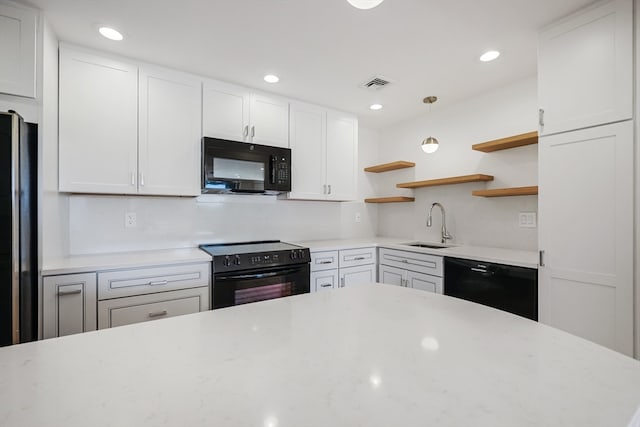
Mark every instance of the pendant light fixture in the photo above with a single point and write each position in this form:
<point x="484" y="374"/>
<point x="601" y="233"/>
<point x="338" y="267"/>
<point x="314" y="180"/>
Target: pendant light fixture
<point x="430" y="144"/>
<point x="364" y="4"/>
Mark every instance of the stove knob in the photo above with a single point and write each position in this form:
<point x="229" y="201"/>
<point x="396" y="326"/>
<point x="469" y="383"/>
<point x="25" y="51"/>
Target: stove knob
<point x="226" y="261"/>
<point x="293" y="254"/>
<point x="237" y="260"/>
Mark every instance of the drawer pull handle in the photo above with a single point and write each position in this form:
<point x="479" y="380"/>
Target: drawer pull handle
<point x="325" y="262"/>
<point x="326" y="285"/>
<point x="74" y="292"/>
<point x="406" y="261"/>
<point x="359" y="258"/>
<point x="158" y="283"/>
<point x="158" y="313"/>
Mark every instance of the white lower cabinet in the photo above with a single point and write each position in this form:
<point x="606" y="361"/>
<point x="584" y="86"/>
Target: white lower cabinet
<point x="68" y="304"/>
<point x="332" y="269"/>
<point x="143" y="308"/>
<point x="411" y="269"/>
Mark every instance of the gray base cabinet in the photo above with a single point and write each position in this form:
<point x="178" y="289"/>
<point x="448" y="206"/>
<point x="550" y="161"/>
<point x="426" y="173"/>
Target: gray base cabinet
<point x="68" y="304"/>
<point x="333" y="269"/>
<point x="411" y="269"/>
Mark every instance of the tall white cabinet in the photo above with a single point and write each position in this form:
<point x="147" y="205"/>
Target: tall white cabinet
<point x="127" y="128"/>
<point x="586" y="175"/>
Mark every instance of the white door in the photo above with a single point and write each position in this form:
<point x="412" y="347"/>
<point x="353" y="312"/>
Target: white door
<point x="585" y="68"/>
<point x="98" y="123"/>
<point x="324" y="280"/>
<point x="424" y="282"/>
<point x="68" y="304"/>
<point x="586" y="233"/>
<point x="225" y="111"/>
<point x="357" y="275"/>
<point x="342" y="156"/>
<point x="169" y="141"/>
<point x="392" y="275"/>
<point x="18" y="51"/>
<point x="308" y="136"/>
<point x="269" y="120"/>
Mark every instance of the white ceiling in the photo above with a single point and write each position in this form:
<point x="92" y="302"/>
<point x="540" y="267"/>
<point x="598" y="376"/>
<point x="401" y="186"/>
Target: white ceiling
<point x="324" y="49"/>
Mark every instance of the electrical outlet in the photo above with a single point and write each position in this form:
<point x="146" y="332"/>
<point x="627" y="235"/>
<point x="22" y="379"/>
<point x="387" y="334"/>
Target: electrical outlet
<point x="130" y="220"/>
<point x="358" y="217"/>
<point x="527" y="219"/>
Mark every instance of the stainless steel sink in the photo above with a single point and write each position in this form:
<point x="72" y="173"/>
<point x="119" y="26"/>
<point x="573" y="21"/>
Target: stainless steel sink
<point x="427" y="245"/>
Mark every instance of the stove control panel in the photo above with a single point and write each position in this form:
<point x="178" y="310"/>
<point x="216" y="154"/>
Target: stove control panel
<point x="250" y="261"/>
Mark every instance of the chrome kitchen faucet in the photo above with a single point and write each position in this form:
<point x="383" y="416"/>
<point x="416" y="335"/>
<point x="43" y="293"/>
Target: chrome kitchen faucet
<point x="445" y="234"/>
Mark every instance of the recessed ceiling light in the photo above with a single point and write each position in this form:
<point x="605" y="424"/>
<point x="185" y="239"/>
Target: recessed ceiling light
<point x="271" y="78"/>
<point x="110" y="33"/>
<point x="489" y="56"/>
<point x="376" y="106"/>
<point x="364" y="4"/>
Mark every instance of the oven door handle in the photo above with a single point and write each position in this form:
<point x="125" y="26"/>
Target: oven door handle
<point x="257" y="275"/>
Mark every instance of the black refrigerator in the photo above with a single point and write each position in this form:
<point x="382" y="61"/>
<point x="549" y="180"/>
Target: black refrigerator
<point x="18" y="230"/>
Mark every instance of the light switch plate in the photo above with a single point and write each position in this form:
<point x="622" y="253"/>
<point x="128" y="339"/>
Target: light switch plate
<point x="527" y="220"/>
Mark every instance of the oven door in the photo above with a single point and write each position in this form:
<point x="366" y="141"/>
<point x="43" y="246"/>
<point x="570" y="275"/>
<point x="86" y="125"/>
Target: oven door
<point x="242" y="287"/>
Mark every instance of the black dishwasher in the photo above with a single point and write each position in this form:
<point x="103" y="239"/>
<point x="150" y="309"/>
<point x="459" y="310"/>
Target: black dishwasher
<point x="505" y="287"/>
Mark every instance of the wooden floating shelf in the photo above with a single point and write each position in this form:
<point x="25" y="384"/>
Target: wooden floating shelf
<point x="505" y="143"/>
<point x="504" y="192"/>
<point x="389" y="166"/>
<point x="446" y="181"/>
<point x="395" y="199"/>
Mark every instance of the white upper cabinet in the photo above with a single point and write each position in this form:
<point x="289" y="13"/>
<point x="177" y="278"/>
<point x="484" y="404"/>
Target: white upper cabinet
<point x="98" y="121"/>
<point x="235" y="113"/>
<point x="324" y="147"/>
<point x="269" y="120"/>
<point x="342" y="156"/>
<point x="169" y="136"/>
<point x="225" y="111"/>
<point x="127" y="129"/>
<point x="585" y="72"/>
<point x="18" y="51"/>
<point x="308" y="132"/>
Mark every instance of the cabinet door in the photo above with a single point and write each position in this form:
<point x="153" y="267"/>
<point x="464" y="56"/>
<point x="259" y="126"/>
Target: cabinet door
<point x="342" y="156"/>
<point x="169" y="137"/>
<point x="585" y="68"/>
<point x="324" y="280"/>
<point x="586" y="233"/>
<point x="225" y="111"/>
<point x="424" y="282"/>
<point x="18" y="51"/>
<point x="269" y="120"/>
<point x="144" y="308"/>
<point x="98" y="123"/>
<point x="68" y="304"/>
<point x="308" y="136"/>
<point x="357" y="275"/>
<point x="392" y="275"/>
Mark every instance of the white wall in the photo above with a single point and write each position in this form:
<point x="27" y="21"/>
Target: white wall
<point x="96" y="223"/>
<point x="472" y="220"/>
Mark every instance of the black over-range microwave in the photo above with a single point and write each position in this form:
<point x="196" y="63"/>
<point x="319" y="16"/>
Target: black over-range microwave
<point x="240" y="167"/>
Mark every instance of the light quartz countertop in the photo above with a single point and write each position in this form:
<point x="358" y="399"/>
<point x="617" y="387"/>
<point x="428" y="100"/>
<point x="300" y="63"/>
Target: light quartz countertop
<point x="371" y="355"/>
<point x="95" y="262"/>
<point x="487" y="254"/>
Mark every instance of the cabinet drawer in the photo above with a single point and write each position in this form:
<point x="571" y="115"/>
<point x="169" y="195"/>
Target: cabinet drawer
<point x="143" y="308"/>
<point x="355" y="257"/>
<point x="123" y="283"/>
<point x="325" y="260"/>
<point x="413" y="261"/>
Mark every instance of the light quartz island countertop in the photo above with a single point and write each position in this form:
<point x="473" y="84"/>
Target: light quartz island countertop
<point x="371" y="355"/>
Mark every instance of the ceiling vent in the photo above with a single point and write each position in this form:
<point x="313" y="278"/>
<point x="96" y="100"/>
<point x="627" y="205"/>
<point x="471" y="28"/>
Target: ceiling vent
<point x="376" y="83"/>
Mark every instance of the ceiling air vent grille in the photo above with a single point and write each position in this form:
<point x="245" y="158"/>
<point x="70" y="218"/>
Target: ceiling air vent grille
<point x="376" y="83"/>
